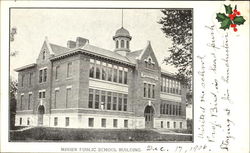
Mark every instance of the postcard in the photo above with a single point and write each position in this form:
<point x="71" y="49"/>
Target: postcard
<point x="125" y="76"/>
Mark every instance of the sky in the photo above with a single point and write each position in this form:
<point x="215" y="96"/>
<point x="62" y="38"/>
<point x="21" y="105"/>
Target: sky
<point x="97" y="25"/>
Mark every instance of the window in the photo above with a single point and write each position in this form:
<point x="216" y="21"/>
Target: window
<point x="103" y="100"/>
<point x="30" y="79"/>
<point x="22" y="80"/>
<point x="145" y="90"/>
<point x="125" y="102"/>
<point x="164" y="108"/>
<point x="115" y="74"/>
<point x="44" y="75"/>
<point x="21" y="103"/>
<point x="91" y="70"/>
<point x="57" y="72"/>
<point x="180" y="110"/>
<point x="173" y="109"/>
<point x="56" y="97"/>
<point x="180" y="125"/>
<point x="91" y="122"/>
<point x="174" y="124"/>
<point x="168" y="125"/>
<point x="161" y="109"/>
<point x="55" y="121"/>
<point x="29" y="101"/>
<point x="67" y="121"/>
<point x="115" y="123"/>
<point x="91" y="97"/>
<point x="161" y="84"/>
<point x="170" y="109"/>
<point x="97" y="70"/>
<point x="69" y="69"/>
<point x="127" y="44"/>
<point x="167" y="109"/>
<point x="120" y="76"/>
<point x="170" y="82"/>
<point x="122" y="43"/>
<point x="114" y="101"/>
<point x="125" y="81"/>
<point x="126" y="123"/>
<point x="176" y="110"/>
<point x="120" y="102"/>
<point x="20" y="121"/>
<point x="109" y="101"/>
<point x="167" y="85"/>
<point x="103" y="122"/>
<point x="149" y="90"/>
<point x="164" y="84"/>
<point x="104" y="73"/>
<point x="28" y="121"/>
<point x="117" y="44"/>
<point x="161" y="124"/>
<point x="109" y="72"/>
<point x="44" y="55"/>
<point x="68" y="97"/>
<point x="153" y="91"/>
<point x="97" y="96"/>
<point x="41" y="94"/>
<point x="40" y="76"/>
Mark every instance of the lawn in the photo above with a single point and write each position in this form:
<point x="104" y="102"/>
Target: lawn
<point x="93" y="135"/>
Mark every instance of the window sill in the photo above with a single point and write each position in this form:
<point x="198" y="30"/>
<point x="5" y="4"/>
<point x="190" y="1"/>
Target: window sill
<point x="69" y="78"/>
<point x="165" y="93"/>
<point x="110" y="82"/>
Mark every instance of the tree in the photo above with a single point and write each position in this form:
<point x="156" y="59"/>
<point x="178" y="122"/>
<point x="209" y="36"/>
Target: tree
<point x="12" y="103"/>
<point x="177" y="25"/>
<point x="12" y="86"/>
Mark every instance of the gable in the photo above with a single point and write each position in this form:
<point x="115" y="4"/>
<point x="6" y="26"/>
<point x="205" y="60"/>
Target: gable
<point x="148" y="55"/>
<point x="45" y="53"/>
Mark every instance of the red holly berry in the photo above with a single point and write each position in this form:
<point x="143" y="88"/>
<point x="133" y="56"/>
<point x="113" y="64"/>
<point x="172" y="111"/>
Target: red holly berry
<point x="231" y="16"/>
<point x="235" y="29"/>
<point x="233" y="25"/>
<point x="238" y="13"/>
<point x="235" y="10"/>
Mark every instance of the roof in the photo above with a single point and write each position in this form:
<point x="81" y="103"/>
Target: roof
<point x="95" y="51"/>
<point x="132" y="56"/>
<point x="167" y="73"/>
<point x="25" y="67"/>
<point x="122" y="32"/>
<point x="58" y="49"/>
<point x="105" y="52"/>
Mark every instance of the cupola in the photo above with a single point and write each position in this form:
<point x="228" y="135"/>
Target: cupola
<point x="122" y="41"/>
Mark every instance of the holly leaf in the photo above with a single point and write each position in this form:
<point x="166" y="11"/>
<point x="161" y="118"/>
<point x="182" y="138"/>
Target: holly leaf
<point x="239" y="20"/>
<point x="225" y="24"/>
<point x="221" y="17"/>
<point x="228" y="9"/>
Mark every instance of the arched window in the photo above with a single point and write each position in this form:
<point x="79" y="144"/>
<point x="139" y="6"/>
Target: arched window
<point x="127" y="44"/>
<point x="122" y="43"/>
<point x="43" y="55"/>
<point x="117" y="43"/>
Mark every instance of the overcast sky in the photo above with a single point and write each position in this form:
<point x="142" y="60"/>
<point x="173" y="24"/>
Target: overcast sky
<point x="97" y="25"/>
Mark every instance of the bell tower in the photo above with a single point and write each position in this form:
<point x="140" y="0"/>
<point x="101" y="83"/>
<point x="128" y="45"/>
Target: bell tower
<point x="122" y="40"/>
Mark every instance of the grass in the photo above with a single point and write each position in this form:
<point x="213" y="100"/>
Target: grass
<point x="92" y="135"/>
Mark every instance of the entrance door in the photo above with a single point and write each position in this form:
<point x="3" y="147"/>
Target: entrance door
<point x="40" y="115"/>
<point x="149" y="117"/>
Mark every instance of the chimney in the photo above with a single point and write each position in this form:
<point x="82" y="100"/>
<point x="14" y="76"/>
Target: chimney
<point x="71" y="44"/>
<point x="81" y="41"/>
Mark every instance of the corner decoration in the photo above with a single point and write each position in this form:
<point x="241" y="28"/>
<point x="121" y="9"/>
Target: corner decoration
<point x="231" y="19"/>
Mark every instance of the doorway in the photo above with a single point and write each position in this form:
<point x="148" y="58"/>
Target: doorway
<point x="149" y="117"/>
<point x="41" y="111"/>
